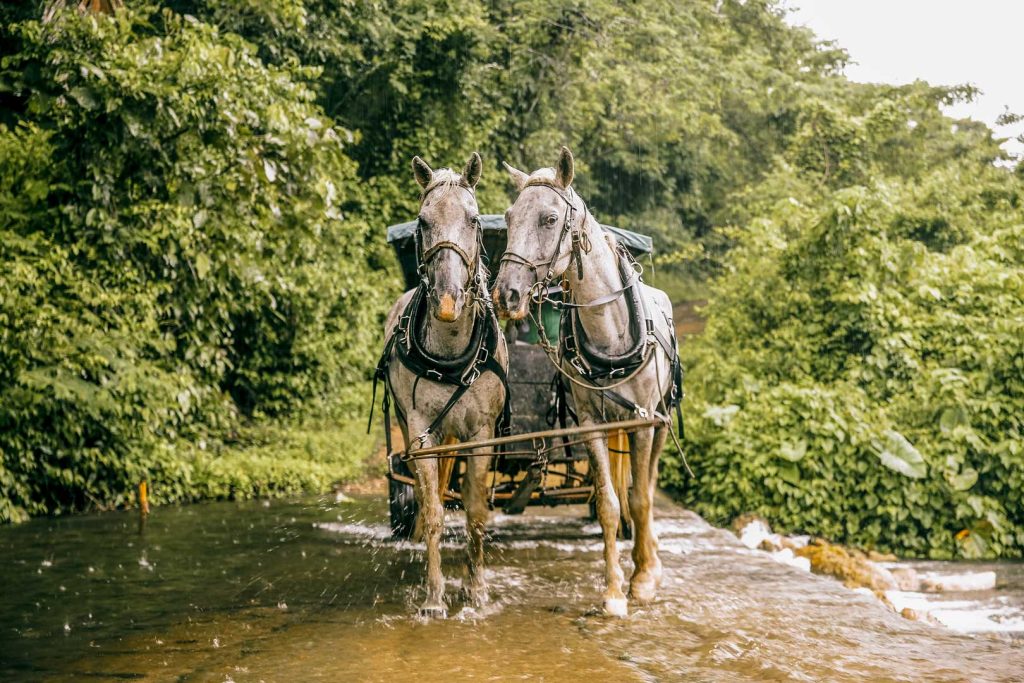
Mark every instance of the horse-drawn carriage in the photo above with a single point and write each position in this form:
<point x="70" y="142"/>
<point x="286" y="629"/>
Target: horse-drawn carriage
<point x="542" y="461"/>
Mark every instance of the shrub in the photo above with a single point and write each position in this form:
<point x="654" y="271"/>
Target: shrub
<point x="862" y="377"/>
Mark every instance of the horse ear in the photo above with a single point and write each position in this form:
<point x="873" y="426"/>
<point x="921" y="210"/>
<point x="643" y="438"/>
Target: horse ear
<point x="518" y="177"/>
<point x="564" y="171"/>
<point x="421" y="172"/>
<point x="471" y="174"/>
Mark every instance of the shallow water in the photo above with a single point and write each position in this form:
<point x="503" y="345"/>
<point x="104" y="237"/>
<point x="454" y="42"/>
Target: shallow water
<point x="315" y="589"/>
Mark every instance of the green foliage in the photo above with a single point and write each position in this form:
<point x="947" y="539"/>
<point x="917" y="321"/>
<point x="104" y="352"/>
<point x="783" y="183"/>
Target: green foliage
<point x="178" y="251"/>
<point x="862" y="373"/>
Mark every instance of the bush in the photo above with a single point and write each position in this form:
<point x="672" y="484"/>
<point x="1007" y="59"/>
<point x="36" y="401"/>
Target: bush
<point x="862" y="372"/>
<point x="178" y="252"/>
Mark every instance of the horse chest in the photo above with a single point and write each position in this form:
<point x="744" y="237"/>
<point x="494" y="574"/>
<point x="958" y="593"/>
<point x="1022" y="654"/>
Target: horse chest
<point x="475" y="412"/>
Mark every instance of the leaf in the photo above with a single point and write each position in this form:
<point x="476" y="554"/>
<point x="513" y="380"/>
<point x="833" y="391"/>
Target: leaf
<point x="793" y="451"/>
<point x="721" y="415"/>
<point x="900" y="455"/>
<point x="964" y="480"/>
<point x="202" y="265"/>
<point x="270" y="170"/>
<point x="84" y="96"/>
<point x="952" y="418"/>
<point x="790" y="473"/>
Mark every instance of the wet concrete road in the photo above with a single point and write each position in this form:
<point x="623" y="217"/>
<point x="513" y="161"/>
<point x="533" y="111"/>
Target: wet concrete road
<point x="316" y="590"/>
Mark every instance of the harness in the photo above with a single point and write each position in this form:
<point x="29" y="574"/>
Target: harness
<point x="587" y="360"/>
<point x="405" y="345"/>
<point x="594" y="365"/>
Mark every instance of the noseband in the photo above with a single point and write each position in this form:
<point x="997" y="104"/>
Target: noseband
<point x="579" y="242"/>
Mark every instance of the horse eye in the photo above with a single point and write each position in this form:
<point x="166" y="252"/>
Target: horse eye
<point x="551" y="218"/>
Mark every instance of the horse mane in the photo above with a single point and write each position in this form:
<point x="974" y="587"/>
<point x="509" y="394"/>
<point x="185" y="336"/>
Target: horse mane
<point x="442" y="182"/>
<point x="547" y="173"/>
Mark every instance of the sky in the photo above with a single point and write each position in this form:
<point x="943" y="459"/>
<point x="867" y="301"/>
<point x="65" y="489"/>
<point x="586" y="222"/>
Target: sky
<point x="944" y="42"/>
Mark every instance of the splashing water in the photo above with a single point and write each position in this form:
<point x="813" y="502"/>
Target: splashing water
<point x="311" y="588"/>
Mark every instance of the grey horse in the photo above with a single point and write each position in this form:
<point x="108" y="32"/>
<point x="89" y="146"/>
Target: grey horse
<point x="460" y="325"/>
<point x="551" y="234"/>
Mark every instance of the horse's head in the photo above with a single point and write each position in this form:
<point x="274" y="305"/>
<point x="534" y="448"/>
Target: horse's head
<point x="538" y="244"/>
<point x="448" y="234"/>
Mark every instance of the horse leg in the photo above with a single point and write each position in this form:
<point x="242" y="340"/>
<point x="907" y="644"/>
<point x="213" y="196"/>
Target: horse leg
<point x="608" y="516"/>
<point x="432" y="516"/>
<point x="474" y="499"/>
<point x="645" y="446"/>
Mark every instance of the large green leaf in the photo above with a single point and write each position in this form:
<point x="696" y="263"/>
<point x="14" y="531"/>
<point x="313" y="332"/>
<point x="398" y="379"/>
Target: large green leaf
<point x="793" y="451"/>
<point x="898" y="454"/>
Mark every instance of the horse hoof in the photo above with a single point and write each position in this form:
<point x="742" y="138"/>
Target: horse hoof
<point x="476" y="597"/>
<point x="616" y="607"/>
<point x="432" y="612"/>
<point x="643" y="592"/>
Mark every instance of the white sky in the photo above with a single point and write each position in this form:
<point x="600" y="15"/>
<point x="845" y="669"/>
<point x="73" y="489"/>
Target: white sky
<point x="944" y="42"/>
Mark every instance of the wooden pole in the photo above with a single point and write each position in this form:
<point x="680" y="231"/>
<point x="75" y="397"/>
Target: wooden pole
<point x="143" y="499"/>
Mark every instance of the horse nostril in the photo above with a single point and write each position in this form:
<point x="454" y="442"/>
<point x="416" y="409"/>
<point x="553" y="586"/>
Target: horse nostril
<point x="512" y="298"/>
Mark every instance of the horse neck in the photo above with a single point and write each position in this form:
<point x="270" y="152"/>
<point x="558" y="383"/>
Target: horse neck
<point x="449" y="340"/>
<point x="606" y="326"/>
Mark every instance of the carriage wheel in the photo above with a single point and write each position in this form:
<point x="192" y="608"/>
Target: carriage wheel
<point x="402" y="502"/>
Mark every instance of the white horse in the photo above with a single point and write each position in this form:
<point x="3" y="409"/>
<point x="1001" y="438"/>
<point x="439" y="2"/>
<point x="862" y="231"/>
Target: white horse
<point x="620" y="338"/>
<point x="445" y="365"/>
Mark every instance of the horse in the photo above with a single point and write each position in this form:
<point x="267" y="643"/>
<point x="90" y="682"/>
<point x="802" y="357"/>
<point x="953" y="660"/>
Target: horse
<point x="617" y="350"/>
<point x="445" y="366"/>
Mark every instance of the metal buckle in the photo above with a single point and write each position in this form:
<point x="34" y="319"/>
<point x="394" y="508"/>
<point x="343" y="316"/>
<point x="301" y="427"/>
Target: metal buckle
<point x="578" y="364"/>
<point x="431" y="371"/>
<point x="482" y="356"/>
<point x="616" y="372"/>
<point x="642" y="412"/>
<point x="403" y="323"/>
<point x="570" y="342"/>
<point x="474" y="375"/>
<point x="422" y="438"/>
<point x="538" y="292"/>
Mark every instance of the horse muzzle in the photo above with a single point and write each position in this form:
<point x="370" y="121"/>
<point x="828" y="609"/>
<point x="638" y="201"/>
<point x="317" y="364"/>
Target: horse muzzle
<point x="511" y="295"/>
<point x="447" y="308"/>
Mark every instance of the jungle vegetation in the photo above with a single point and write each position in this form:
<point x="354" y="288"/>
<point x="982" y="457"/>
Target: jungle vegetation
<point x="193" y="271"/>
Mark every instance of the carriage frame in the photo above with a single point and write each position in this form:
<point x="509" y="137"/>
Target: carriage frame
<point x="541" y="463"/>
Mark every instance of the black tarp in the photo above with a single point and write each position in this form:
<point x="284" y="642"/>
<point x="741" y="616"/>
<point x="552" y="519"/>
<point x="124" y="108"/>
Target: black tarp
<point x="401" y="238"/>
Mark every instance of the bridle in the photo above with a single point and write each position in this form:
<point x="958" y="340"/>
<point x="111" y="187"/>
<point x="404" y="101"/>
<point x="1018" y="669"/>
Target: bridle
<point x="579" y="242"/>
<point x="473" y="285"/>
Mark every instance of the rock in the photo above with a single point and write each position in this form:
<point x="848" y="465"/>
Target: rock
<point x="786" y="556"/>
<point x="769" y="544"/>
<point x="853" y="571"/>
<point x="753" y="532"/>
<point x="956" y="583"/>
<point x="909" y="613"/>
<point x="798" y="541"/>
<point x="875" y="556"/>
<point x="906" y="578"/>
